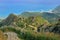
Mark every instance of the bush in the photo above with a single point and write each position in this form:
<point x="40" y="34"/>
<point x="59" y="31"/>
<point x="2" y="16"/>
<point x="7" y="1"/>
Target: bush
<point x="20" y="24"/>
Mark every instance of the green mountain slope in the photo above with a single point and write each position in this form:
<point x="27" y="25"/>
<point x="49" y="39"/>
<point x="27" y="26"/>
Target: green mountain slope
<point x="32" y="20"/>
<point x="37" y="20"/>
<point x="27" y="28"/>
<point x="9" y="20"/>
<point x="48" y="16"/>
<point x="28" y="14"/>
<point x="51" y="17"/>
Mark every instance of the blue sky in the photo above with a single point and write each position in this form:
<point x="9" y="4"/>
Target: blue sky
<point x="18" y="6"/>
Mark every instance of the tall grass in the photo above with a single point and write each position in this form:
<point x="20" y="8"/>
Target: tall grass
<point x="31" y="35"/>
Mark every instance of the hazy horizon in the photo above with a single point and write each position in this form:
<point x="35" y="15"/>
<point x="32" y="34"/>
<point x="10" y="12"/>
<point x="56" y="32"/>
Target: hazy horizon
<point x="18" y="6"/>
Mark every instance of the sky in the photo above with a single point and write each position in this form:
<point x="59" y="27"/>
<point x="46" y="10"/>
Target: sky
<point x="19" y="6"/>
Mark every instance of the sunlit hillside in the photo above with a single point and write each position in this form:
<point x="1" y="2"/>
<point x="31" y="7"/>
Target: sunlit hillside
<point x="31" y="25"/>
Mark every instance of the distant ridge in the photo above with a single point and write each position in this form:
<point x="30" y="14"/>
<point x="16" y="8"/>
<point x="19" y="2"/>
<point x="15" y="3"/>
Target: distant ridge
<point x="56" y="10"/>
<point x="46" y="15"/>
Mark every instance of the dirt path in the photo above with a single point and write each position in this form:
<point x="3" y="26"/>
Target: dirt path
<point x="12" y="36"/>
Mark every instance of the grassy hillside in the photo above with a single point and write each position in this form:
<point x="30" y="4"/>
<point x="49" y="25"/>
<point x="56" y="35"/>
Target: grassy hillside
<point x="32" y="27"/>
<point x="28" y="14"/>
<point x="10" y="19"/>
<point x="51" y="17"/>
<point x="37" y="20"/>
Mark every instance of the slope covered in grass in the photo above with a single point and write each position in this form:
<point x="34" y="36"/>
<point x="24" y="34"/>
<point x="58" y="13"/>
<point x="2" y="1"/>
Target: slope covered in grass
<point x="51" y="17"/>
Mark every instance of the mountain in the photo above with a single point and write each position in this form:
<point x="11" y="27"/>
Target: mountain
<point x="51" y="17"/>
<point x="36" y="20"/>
<point x="56" y="10"/>
<point x="10" y="19"/>
<point x="28" y="14"/>
<point x="13" y="19"/>
<point x="32" y="20"/>
<point x="31" y="17"/>
<point x="34" y="25"/>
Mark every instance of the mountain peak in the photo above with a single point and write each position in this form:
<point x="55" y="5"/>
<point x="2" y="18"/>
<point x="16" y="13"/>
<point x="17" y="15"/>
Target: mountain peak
<point x="10" y="19"/>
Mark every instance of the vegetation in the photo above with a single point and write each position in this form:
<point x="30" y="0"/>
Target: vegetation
<point x="51" y="17"/>
<point x="31" y="35"/>
<point x="2" y="36"/>
<point x="32" y="26"/>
